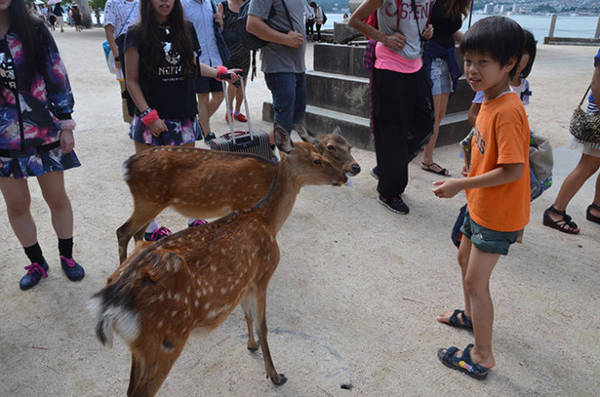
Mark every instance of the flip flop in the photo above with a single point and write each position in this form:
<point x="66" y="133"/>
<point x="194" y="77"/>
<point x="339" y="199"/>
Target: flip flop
<point x="464" y="363"/>
<point x="427" y="167"/>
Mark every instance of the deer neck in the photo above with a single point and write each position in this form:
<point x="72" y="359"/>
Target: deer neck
<point x="278" y="206"/>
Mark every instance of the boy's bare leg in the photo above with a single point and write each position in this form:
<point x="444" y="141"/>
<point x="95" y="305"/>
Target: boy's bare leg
<point x="464" y="251"/>
<point x="476" y="284"/>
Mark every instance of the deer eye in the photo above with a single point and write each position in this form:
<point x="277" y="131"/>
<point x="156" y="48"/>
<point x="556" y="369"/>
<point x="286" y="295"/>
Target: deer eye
<point x="317" y="161"/>
<point x="331" y="148"/>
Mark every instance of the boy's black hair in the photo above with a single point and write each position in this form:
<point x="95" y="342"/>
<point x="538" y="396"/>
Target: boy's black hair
<point x="529" y="46"/>
<point x="500" y="37"/>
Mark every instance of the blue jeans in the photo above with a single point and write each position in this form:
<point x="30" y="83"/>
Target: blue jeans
<point x="289" y="97"/>
<point x="488" y="240"/>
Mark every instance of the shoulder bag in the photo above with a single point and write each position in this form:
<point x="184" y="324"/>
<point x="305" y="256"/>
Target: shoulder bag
<point x="585" y="127"/>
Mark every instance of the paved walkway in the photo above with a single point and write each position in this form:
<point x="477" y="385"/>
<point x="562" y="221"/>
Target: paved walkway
<point x="357" y="290"/>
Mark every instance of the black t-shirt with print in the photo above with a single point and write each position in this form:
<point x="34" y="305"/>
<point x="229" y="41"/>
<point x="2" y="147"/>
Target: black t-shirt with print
<point x="172" y="94"/>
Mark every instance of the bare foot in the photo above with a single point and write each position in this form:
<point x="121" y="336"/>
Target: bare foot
<point x="487" y="361"/>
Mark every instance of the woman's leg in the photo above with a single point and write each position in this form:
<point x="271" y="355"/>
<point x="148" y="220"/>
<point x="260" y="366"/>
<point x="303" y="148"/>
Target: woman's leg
<point x="215" y="101"/>
<point x="231" y="95"/>
<point x="203" y="117"/>
<point x="18" y="201"/>
<point x="586" y="167"/>
<point x="596" y="201"/>
<point x="55" y="195"/>
<point x="239" y="96"/>
<point x="440" y="105"/>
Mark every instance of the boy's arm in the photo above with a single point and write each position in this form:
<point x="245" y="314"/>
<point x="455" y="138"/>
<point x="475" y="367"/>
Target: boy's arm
<point x="505" y="173"/>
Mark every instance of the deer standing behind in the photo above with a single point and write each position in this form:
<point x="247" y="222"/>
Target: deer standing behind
<point x="195" y="278"/>
<point x="202" y="183"/>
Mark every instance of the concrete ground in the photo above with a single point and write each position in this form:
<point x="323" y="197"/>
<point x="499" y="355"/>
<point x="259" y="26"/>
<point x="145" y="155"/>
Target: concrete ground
<point x="357" y="291"/>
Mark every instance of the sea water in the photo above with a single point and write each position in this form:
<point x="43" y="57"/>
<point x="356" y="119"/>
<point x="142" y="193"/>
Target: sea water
<point x="539" y="25"/>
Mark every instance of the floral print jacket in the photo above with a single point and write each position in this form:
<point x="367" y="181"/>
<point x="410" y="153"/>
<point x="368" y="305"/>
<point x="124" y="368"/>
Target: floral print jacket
<point x="29" y="116"/>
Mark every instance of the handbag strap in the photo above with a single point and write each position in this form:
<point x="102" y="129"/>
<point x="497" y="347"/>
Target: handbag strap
<point x="127" y="19"/>
<point x="287" y="14"/>
<point x="585" y="95"/>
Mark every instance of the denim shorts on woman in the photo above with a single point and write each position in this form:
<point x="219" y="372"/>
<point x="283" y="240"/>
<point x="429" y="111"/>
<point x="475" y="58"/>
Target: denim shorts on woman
<point x="488" y="240"/>
<point x="440" y="77"/>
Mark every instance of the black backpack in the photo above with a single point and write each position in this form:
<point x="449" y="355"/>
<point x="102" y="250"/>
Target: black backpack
<point x="249" y="40"/>
<point x="324" y="17"/>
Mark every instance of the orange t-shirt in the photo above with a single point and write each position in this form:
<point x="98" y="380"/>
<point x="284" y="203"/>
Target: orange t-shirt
<point x="501" y="136"/>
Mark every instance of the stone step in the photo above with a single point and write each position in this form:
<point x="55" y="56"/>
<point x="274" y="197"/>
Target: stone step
<point x="356" y="130"/>
<point x="350" y="94"/>
<point x="346" y="58"/>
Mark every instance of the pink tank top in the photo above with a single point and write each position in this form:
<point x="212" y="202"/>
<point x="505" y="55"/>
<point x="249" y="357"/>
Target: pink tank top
<point x="390" y="60"/>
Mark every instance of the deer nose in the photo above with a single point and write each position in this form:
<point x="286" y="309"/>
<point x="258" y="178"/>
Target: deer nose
<point x="355" y="169"/>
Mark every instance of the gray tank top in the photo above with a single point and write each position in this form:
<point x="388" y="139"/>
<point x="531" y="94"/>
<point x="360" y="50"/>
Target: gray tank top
<point x="390" y="22"/>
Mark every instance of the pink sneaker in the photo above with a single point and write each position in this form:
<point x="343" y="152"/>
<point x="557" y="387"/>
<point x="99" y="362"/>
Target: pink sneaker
<point x="157" y="234"/>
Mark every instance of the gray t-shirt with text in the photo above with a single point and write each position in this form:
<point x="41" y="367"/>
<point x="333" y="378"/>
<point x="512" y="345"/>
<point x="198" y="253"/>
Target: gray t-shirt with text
<point x="277" y="58"/>
<point x="392" y="20"/>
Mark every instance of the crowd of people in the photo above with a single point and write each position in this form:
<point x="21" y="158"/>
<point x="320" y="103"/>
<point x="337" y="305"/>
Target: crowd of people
<point x="175" y="55"/>
<point x="54" y="15"/>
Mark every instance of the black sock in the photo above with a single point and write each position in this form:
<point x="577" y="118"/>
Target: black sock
<point x="34" y="253"/>
<point x="65" y="247"/>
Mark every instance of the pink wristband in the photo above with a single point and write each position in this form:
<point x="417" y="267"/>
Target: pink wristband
<point x="150" y="118"/>
<point x="221" y="70"/>
<point x="67" y="124"/>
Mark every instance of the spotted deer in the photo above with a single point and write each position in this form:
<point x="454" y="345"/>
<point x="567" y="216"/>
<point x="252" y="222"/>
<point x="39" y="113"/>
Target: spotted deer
<point x="193" y="279"/>
<point x="201" y="183"/>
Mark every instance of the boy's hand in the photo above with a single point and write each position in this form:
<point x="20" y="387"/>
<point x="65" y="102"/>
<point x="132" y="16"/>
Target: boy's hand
<point x="465" y="170"/>
<point x="447" y="188"/>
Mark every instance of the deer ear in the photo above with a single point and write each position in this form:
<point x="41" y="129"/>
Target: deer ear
<point x="305" y="135"/>
<point x="337" y="130"/>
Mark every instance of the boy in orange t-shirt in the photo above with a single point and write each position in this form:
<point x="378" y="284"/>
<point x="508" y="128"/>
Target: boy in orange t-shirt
<point x="497" y="186"/>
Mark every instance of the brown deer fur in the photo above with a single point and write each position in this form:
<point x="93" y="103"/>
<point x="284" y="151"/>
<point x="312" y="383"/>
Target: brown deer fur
<point x="201" y="183"/>
<point x="194" y="279"/>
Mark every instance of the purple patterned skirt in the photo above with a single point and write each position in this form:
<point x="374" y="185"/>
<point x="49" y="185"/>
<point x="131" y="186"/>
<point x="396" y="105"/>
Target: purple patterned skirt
<point x="180" y="132"/>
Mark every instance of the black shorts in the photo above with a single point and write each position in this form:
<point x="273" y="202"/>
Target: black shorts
<point x="204" y="85"/>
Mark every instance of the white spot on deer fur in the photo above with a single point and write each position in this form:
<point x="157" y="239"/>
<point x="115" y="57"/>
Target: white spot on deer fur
<point x="175" y="200"/>
<point x="161" y="297"/>
<point x="223" y="291"/>
<point x="173" y="313"/>
<point x="196" y="303"/>
<point x="168" y="267"/>
<point x="160" y="323"/>
<point x="176" y="266"/>
<point x="212" y="314"/>
<point x="188" y="289"/>
<point x="177" y="297"/>
<point x="223" y="251"/>
<point x="169" y="294"/>
<point x="213" y="268"/>
<point x="229" y="279"/>
<point x="210" y="289"/>
<point x="206" y="305"/>
<point x="186" y="300"/>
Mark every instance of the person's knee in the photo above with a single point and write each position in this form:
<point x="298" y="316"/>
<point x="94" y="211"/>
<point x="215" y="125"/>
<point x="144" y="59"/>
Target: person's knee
<point x="18" y="207"/>
<point x="463" y="259"/>
<point x="475" y="287"/>
<point x="57" y="200"/>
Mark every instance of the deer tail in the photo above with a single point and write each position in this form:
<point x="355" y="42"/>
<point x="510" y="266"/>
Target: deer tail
<point x="113" y="312"/>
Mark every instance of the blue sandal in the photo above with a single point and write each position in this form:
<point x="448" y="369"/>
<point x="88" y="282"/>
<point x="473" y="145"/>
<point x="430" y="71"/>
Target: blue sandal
<point x="454" y="321"/>
<point x="463" y="363"/>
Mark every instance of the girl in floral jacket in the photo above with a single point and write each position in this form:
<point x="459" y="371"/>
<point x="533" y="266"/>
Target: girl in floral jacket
<point x="36" y="135"/>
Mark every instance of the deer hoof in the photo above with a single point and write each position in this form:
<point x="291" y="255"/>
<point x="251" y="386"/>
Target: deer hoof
<point x="281" y="379"/>
<point x="253" y="348"/>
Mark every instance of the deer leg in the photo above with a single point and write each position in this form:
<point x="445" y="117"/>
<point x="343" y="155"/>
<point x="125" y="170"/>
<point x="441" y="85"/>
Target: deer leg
<point x="247" y="303"/>
<point x="142" y="214"/>
<point x="261" y="303"/>
<point x="154" y="368"/>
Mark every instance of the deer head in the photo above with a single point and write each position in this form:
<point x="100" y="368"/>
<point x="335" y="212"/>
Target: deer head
<point x="334" y="148"/>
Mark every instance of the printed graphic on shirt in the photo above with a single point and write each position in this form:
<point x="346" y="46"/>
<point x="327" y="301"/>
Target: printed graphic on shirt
<point x="171" y="69"/>
<point x="7" y="72"/>
<point x="478" y="140"/>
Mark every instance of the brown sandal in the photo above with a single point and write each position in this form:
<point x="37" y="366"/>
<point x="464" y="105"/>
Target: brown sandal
<point x="429" y="168"/>
<point x="588" y="213"/>
<point x="565" y="225"/>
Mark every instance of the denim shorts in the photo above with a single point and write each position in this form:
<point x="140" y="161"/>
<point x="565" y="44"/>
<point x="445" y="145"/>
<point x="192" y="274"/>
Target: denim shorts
<point x="289" y="97"/>
<point x="440" y="77"/>
<point x="488" y="240"/>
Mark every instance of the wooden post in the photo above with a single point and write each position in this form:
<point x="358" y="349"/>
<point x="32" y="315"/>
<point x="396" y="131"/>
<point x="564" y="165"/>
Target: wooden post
<point x="597" y="35"/>
<point x="552" y="25"/>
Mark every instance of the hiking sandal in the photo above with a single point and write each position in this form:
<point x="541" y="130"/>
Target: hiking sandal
<point x="588" y="213"/>
<point x="565" y="225"/>
<point x="464" y="363"/>
<point x="455" y="321"/>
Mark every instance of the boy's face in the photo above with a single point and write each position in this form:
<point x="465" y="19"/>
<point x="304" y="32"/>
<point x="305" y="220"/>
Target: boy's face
<point x="486" y="74"/>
